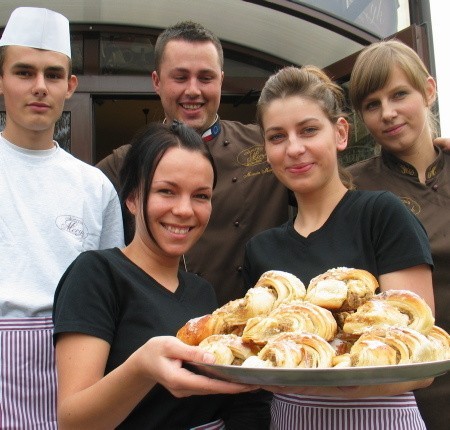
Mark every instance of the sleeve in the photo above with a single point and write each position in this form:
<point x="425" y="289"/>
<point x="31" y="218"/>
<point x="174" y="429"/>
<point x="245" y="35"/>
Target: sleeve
<point x="85" y="298"/>
<point x="110" y="167"/>
<point x="112" y="164"/>
<point x="399" y="238"/>
<point x="112" y="233"/>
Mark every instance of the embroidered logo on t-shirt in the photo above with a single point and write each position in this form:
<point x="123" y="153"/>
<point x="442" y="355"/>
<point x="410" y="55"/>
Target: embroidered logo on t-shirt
<point x="73" y="225"/>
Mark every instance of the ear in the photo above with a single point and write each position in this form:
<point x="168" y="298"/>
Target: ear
<point x="341" y="133"/>
<point x="221" y="79"/>
<point x="132" y="203"/>
<point x="1" y="85"/>
<point x="430" y="91"/>
<point x="155" y="79"/>
<point x="72" y="85"/>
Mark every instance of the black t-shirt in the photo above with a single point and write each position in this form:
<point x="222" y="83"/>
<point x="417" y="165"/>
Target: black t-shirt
<point x="104" y="294"/>
<point x="371" y="230"/>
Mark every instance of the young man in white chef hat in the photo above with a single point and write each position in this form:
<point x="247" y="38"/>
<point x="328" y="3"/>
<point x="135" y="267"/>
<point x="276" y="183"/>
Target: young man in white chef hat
<point x="53" y="207"/>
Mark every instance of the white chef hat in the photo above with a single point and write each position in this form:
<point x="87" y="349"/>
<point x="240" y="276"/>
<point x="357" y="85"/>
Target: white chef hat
<point x="37" y="28"/>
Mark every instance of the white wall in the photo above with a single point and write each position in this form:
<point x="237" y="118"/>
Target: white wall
<point x="440" y="11"/>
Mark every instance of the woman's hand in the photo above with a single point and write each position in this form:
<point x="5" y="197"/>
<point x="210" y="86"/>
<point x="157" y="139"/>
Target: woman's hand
<point x="162" y="359"/>
<point x="87" y="398"/>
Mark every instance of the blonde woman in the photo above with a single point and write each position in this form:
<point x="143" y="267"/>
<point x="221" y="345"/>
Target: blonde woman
<point x="394" y="93"/>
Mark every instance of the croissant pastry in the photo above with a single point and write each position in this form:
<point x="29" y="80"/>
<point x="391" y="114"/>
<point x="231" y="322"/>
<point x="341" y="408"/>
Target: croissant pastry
<point x="341" y="289"/>
<point x="295" y="316"/>
<point x="272" y="288"/>
<point x="284" y="285"/>
<point x="420" y="315"/>
<point x="227" y="348"/>
<point x="441" y="341"/>
<point x="197" y="329"/>
<point x="294" y="350"/>
<point x="375" y="313"/>
<point x="258" y="300"/>
<point x="390" y="346"/>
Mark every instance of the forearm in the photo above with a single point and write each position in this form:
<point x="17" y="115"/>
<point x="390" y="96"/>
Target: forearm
<point x="105" y="404"/>
<point x="87" y="399"/>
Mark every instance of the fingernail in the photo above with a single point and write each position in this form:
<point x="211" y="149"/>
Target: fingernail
<point x="209" y="358"/>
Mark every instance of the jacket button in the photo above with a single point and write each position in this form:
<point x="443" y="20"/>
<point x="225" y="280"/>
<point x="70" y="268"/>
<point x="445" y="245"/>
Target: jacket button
<point x="234" y="179"/>
<point x="226" y="142"/>
<point x="236" y="223"/>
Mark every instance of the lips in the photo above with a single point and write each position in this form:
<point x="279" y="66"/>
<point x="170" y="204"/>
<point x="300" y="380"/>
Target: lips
<point x="191" y="106"/>
<point x="36" y="106"/>
<point x="299" y="168"/>
<point x="176" y="230"/>
<point x="394" y="129"/>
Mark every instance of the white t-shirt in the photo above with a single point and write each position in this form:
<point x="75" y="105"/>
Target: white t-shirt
<point x="52" y="207"/>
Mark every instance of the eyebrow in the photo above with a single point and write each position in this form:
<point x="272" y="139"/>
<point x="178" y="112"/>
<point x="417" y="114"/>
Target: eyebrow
<point x="306" y="120"/>
<point x="393" y="89"/>
<point x="184" y="70"/>
<point x="31" y="67"/>
<point x="175" y="184"/>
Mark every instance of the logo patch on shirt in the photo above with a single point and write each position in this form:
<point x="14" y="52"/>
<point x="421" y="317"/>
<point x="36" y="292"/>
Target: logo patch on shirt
<point x="252" y="156"/>
<point x="411" y="204"/>
<point x="73" y="225"/>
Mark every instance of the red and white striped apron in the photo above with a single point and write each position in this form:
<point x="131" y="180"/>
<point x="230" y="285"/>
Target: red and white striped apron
<point x="296" y="412"/>
<point x="27" y="374"/>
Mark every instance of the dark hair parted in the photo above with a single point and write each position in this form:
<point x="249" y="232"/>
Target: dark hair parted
<point x="187" y="31"/>
<point x="148" y="146"/>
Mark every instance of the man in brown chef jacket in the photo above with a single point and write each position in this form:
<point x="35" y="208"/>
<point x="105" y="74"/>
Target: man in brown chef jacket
<point x="248" y="198"/>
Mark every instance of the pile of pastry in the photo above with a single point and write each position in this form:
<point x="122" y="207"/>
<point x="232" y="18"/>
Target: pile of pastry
<point x="338" y="321"/>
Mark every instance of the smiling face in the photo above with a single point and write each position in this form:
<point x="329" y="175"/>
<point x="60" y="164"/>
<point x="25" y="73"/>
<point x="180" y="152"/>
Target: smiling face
<point x="397" y="114"/>
<point x="189" y="82"/>
<point x="179" y="203"/>
<point x="301" y="143"/>
<point x="35" y="84"/>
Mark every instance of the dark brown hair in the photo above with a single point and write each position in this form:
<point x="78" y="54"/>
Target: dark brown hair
<point x="187" y="31"/>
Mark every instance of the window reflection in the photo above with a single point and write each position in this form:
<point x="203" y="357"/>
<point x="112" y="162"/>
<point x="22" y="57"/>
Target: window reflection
<point x="380" y="17"/>
<point x="126" y="54"/>
<point x="76" y="42"/>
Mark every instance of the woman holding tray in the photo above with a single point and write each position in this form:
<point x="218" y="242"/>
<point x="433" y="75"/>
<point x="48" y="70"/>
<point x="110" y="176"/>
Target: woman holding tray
<point x="116" y="311"/>
<point x="301" y="115"/>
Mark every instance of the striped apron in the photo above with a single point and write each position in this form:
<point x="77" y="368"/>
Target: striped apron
<point x="27" y="374"/>
<point x="297" y="412"/>
<point x="215" y="425"/>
